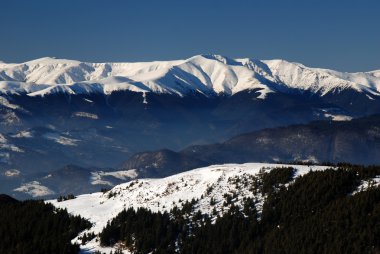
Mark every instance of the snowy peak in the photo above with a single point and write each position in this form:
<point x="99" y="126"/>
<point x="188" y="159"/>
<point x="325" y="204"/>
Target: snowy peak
<point x="205" y="74"/>
<point x="321" y="81"/>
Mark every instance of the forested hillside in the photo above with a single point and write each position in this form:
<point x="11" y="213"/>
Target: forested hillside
<point x="37" y="228"/>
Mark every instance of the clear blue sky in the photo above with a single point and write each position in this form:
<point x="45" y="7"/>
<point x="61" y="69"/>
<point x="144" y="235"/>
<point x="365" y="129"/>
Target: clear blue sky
<point x="339" y="34"/>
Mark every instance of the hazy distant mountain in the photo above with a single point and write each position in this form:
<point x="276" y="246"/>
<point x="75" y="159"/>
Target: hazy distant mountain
<point x="356" y="141"/>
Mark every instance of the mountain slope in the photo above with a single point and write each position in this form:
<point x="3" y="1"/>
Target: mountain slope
<point x="163" y="194"/>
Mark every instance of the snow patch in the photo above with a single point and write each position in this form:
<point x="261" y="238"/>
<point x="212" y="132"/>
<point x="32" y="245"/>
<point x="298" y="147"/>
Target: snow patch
<point x="367" y="184"/>
<point x="3" y="140"/>
<point x="144" y="98"/>
<point x="12" y="173"/>
<point x="338" y="117"/>
<point x="61" y="139"/>
<point x="6" y="103"/>
<point x="23" y="134"/>
<point x="5" y="145"/>
<point x="86" y="115"/>
<point x="35" y="189"/>
<point x="48" y="176"/>
<point x="97" y="177"/>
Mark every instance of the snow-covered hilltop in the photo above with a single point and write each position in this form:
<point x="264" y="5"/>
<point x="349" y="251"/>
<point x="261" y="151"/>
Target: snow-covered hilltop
<point x="253" y="194"/>
<point x="209" y="186"/>
<point x="205" y="74"/>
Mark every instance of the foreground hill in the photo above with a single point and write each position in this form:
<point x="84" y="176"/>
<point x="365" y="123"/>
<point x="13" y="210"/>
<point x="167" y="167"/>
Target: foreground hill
<point x="237" y="208"/>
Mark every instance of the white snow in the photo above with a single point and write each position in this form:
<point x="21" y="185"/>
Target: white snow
<point x="48" y="176"/>
<point x="322" y="81"/>
<point x="61" y="139"/>
<point x="334" y="114"/>
<point x="86" y="115"/>
<point x="12" y="173"/>
<point x="206" y="74"/>
<point x="366" y="184"/>
<point x="3" y="140"/>
<point x="93" y="246"/>
<point x="35" y="189"/>
<point x="5" y="102"/>
<point x="338" y="117"/>
<point x="23" y="134"/>
<point x="144" y="98"/>
<point x="97" y="177"/>
<point x="5" y="145"/>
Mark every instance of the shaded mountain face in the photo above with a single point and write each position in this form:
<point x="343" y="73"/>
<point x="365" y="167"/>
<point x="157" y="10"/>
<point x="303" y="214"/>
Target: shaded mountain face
<point x="52" y="131"/>
<point x="56" y="112"/>
<point x="48" y="132"/>
<point x="356" y="141"/>
<point x="5" y="200"/>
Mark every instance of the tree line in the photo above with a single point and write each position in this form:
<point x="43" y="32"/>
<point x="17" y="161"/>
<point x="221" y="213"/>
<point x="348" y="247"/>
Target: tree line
<point x="37" y="228"/>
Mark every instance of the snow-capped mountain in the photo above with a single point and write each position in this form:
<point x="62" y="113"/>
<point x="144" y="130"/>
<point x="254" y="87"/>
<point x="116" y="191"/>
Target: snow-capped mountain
<point x="205" y="74"/>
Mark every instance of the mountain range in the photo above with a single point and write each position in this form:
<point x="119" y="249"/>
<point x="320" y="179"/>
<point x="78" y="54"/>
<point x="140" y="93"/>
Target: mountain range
<point x="99" y="116"/>
<point x="205" y="74"/>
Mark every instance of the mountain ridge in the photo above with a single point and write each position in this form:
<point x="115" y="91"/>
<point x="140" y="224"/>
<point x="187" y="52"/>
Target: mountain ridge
<point x="205" y="74"/>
